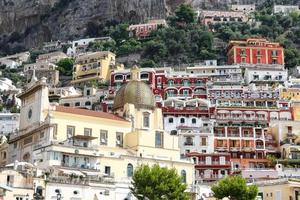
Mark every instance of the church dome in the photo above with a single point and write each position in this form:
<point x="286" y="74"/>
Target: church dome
<point x="134" y="92"/>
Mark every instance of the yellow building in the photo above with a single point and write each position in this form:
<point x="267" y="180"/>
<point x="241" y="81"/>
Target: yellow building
<point x="93" y="66"/>
<point x="16" y="184"/>
<point x="111" y="145"/>
<point x="296" y="110"/>
<point x="290" y="94"/>
<point x="281" y="189"/>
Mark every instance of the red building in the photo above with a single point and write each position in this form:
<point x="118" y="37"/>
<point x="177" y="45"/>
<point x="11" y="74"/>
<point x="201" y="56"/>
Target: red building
<point x="255" y="51"/>
<point x="211" y="166"/>
<point x="144" y="30"/>
<point x="164" y="83"/>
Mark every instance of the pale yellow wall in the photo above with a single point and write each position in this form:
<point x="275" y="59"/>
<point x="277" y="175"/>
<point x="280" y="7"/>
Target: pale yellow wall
<point x="104" y="69"/>
<point x="285" y="189"/>
<point x="96" y="124"/>
<point x="296" y="111"/>
<point x="290" y="93"/>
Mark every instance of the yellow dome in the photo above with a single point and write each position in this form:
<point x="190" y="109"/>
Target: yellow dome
<point x="134" y="92"/>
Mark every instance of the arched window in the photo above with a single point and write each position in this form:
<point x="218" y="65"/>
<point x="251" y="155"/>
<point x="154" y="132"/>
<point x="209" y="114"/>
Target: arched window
<point x="182" y="120"/>
<point x="171" y="120"/>
<point x="194" y="121"/>
<point x="88" y="103"/>
<point x="183" y="176"/>
<point x="77" y="104"/>
<point x="146" y="119"/>
<point x="129" y="170"/>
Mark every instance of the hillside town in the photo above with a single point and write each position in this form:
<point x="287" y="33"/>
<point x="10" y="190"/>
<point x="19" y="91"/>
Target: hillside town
<point x="77" y="121"/>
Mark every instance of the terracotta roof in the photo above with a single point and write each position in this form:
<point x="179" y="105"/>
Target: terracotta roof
<point x="89" y="113"/>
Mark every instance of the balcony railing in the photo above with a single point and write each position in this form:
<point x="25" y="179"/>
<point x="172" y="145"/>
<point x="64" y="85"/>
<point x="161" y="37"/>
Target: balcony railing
<point x="235" y="148"/>
<point x="220" y="134"/>
<point x="224" y="148"/>
<point x="233" y="135"/>
<point x="213" y="163"/>
<point x="248" y="148"/>
<point x="248" y="135"/>
<point x="189" y="144"/>
<point x="260" y="147"/>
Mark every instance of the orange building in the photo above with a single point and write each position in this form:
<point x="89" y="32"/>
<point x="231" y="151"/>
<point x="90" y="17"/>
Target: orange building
<point x="255" y="51"/>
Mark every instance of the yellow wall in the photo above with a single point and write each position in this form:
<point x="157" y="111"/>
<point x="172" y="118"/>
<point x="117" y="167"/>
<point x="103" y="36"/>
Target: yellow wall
<point x="296" y="110"/>
<point x="270" y="191"/>
<point x="106" y="60"/>
<point x="139" y="146"/>
<point x="290" y="93"/>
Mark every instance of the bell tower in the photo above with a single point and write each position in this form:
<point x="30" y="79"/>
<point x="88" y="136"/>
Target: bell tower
<point x="135" y="73"/>
<point x="34" y="102"/>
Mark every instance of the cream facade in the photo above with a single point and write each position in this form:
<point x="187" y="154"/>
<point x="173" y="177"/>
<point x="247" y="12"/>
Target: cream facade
<point x="109" y="145"/>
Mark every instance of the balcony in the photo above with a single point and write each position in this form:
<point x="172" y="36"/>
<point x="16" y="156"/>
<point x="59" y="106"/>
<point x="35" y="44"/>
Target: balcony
<point x="261" y="147"/>
<point x="270" y="148"/>
<point x="248" y="148"/>
<point x="235" y="148"/>
<point x="220" y="134"/>
<point x="248" y="135"/>
<point x="189" y="144"/>
<point x="223" y="148"/>
<point x="233" y="135"/>
<point x="203" y="163"/>
<point x="259" y="136"/>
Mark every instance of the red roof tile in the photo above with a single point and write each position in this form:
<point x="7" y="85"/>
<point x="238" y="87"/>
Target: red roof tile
<point x="89" y="113"/>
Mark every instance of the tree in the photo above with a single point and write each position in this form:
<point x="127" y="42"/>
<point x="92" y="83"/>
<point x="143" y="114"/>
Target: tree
<point x="234" y="188"/>
<point x="158" y="183"/>
<point x="184" y="14"/>
<point x="65" y="66"/>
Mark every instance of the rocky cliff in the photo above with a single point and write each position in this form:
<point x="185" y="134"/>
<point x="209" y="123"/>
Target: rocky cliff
<point x="28" y="23"/>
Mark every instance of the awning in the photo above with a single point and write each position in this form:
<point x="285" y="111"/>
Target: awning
<point x="69" y="172"/>
<point x="84" y="137"/>
<point x="93" y="173"/>
<point x="4" y="187"/>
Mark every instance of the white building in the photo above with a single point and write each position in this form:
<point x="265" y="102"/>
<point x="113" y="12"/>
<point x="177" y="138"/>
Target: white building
<point x="43" y="65"/>
<point x="246" y="8"/>
<point x="9" y="122"/>
<point x="6" y="84"/>
<point x="217" y="73"/>
<point x="13" y="61"/>
<point x="87" y="99"/>
<point x="285" y="9"/>
<point x="52" y="57"/>
<point x="79" y="46"/>
<point x="265" y="75"/>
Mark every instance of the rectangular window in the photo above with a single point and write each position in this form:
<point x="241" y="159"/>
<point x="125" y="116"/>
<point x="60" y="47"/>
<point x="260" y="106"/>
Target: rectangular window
<point x="103" y="137"/>
<point x="146" y="120"/>
<point x="42" y="134"/>
<point x="203" y="141"/>
<point x="87" y="131"/>
<point x="70" y="131"/>
<point x="15" y="145"/>
<point x="158" y="139"/>
<point x="119" y="139"/>
<point x="55" y="131"/>
<point x="55" y="155"/>
<point x="27" y="140"/>
<point x="222" y="160"/>
<point x="107" y="170"/>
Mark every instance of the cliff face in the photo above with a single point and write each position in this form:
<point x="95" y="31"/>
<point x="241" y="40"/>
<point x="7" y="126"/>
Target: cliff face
<point x="27" y="23"/>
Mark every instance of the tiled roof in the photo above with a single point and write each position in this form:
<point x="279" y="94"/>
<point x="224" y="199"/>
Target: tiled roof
<point x="89" y="113"/>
